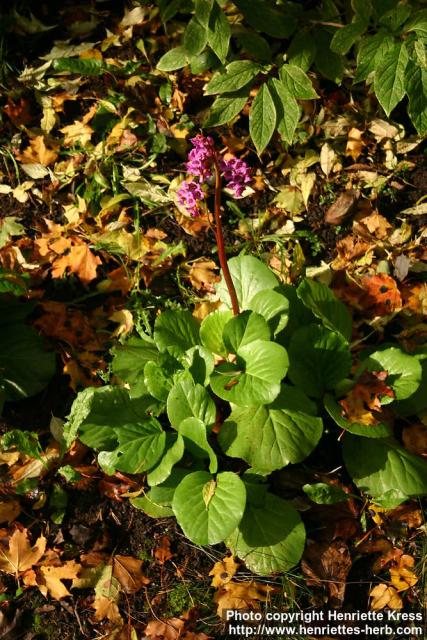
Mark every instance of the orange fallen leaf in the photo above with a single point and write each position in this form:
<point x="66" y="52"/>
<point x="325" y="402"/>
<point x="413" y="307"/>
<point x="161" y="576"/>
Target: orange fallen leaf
<point x="381" y="294"/>
<point x="242" y="595"/>
<point x="79" y="260"/>
<point x="355" y="143"/>
<point x="53" y="576"/>
<point x="223" y="571"/>
<point x="384" y="596"/>
<point x="9" y="510"/>
<point x="107" y="594"/>
<point x="168" y="629"/>
<point x="21" y="555"/>
<point x="376" y="224"/>
<point x="365" y="398"/>
<point x="402" y="576"/>
<point x="77" y="133"/>
<point x="163" y="552"/>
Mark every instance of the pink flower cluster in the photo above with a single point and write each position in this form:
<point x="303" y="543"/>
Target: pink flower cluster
<point x="200" y="165"/>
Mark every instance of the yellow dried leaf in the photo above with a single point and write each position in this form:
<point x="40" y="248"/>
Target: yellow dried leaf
<point x="38" y="152"/>
<point x="21" y="555"/>
<point x="77" y="133"/>
<point x="223" y="571"/>
<point x="53" y="576"/>
<point x="402" y="576"/>
<point x="242" y="595"/>
<point x="384" y="596"/>
<point x="80" y="260"/>
<point x="355" y="143"/>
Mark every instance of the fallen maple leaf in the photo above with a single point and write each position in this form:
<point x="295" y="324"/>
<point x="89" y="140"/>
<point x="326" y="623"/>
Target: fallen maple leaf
<point x="223" y="571"/>
<point x="79" y="260"/>
<point x="381" y="294"/>
<point x="402" y="576"/>
<point x="53" y="576"/>
<point x="38" y="152"/>
<point x="128" y="572"/>
<point x="202" y="275"/>
<point x="76" y="133"/>
<point x="168" y="629"/>
<point x="107" y="593"/>
<point x="376" y="225"/>
<point x="384" y="596"/>
<point x="365" y="398"/>
<point x="328" y="564"/>
<point x="21" y="555"/>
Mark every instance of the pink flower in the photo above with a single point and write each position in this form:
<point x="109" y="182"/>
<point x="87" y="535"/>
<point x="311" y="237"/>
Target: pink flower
<point x="189" y="196"/>
<point x="201" y="157"/>
<point x="237" y="174"/>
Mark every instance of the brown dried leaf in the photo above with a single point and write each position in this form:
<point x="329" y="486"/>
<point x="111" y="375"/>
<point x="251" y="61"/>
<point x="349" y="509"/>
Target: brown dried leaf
<point x="21" y="556"/>
<point x="415" y="439"/>
<point x="203" y="275"/>
<point x="163" y="552"/>
<point x="384" y="596"/>
<point x="402" y="576"/>
<point x="355" y="143"/>
<point x="169" y="629"/>
<point x="79" y="260"/>
<point x="9" y="510"/>
<point x="365" y="397"/>
<point x="128" y="571"/>
<point x="381" y="294"/>
<point x="328" y="565"/>
<point x="343" y="207"/>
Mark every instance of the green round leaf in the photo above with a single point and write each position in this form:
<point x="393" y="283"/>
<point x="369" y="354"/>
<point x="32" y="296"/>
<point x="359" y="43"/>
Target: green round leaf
<point x="273" y="306"/>
<point x="270" y="437"/>
<point x="250" y="276"/>
<point x="190" y="400"/>
<point x="173" y="454"/>
<point x="158" y="377"/>
<point x="244" y="329"/>
<point x="209" y="509"/>
<point x="140" y="446"/>
<point x="319" y="359"/>
<point x="326" y="306"/>
<point x="129" y="361"/>
<point x="200" y="363"/>
<point x="176" y="331"/>
<point x="195" y="437"/>
<point x="270" y="537"/>
<point x="211" y="331"/>
<point x="417" y="401"/>
<point x="404" y="371"/>
<point x="255" y="378"/>
<point x="157" y="502"/>
<point x="379" y="467"/>
<point x="367" y="430"/>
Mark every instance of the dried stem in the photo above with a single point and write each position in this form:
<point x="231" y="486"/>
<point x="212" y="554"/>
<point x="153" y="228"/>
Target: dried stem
<point x="220" y="241"/>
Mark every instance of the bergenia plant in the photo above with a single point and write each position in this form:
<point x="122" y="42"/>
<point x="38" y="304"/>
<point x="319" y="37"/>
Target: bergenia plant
<point x="207" y="170"/>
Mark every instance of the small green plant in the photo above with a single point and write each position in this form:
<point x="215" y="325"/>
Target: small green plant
<point x="248" y="389"/>
<point x="273" y="45"/>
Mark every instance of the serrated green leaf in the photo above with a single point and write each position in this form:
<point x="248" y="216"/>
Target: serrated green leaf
<point x="187" y="400"/>
<point x="254" y="45"/>
<point x="219" y="33"/>
<point x="209" y="519"/>
<point x="328" y="63"/>
<point x="262" y="17"/>
<point x="272" y="436"/>
<point x="226" y="107"/>
<point x="297" y="82"/>
<point x="345" y="38"/>
<point x="325" y="305"/>
<point x="416" y="88"/>
<point x="389" y="81"/>
<point x="195" y="37"/>
<point x="82" y="66"/>
<point x="381" y="466"/>
<point x="371" y="51"/>
<point x="319" y="359"/>
<point x="174" y="59"/>
<point x="417" y="23"/>
<point x="270" y="537"/>
<point x="302" y="50"/>
<point x="287" y="108"/>
<point x="237" y="75"/>
<point x="262" y="118"/>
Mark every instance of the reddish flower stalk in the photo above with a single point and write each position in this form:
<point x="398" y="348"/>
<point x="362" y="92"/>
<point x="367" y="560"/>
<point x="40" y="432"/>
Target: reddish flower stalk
<point x="220" y="241"/>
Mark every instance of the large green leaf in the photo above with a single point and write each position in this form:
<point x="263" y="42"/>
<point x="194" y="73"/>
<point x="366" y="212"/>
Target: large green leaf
<point x="97" y="411"/>
<point x="416" y="89"/>
<point x="173" y="59"/>
<point x="262" y="118"/>
<point x="270" y="437"/>
<point x="389" y="82"/>
<point x="371" y="51"/>
<point x="325" y="305"/>
<point x="157" y="502"/>
<point x="174" y="450"/>
<point x="26" y="366"/>
<point x="273" y="306"/>
<point x="176" y="331"/>
<point x="417" y="401"/>
<point x="209" y="509"/>
<point x="129" y="361"/>
<point x="345" y="38"/>
<point x="328" y="63"/>
<point x="158" y="376"/>
<point x="140" y="446"/>
<point x="255" y="378"/>
<point x="367" y="430"/>
<point x="319" y="359"/>
<point x="270" y="537"/>
<point x="200" y="363"/>
<point x="237" y="75"/>
<point x="195" y="37"/>
<point x="287" y="110"/>
<point x="263" y="17"/>
<point x="404" y="371"/>
<point x="302" y="50"/>
<point x="211" y="331"/>
<point x="381" y="467"/>
<point x="250" y="276"/>
<point x="244" y="329"/>
<point x="190" y="400"/>
<point x="195" y="437"/>
<point x="297" y="82"/>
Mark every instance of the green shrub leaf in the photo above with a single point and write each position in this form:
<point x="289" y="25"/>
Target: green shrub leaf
<point x="176" y="331"/>
<point x="262" y="118"/>
<point x="297" y="82"/>
<point x="140" y="446"/>
<point x="237" y="75"/>
<point x="322" y="493"/>
<point x="244" y="329"/>
<point x="404" y="371"/>
<point x="389" y="82"/>
<point x="174" y="450"/>
<point x="219" y="33"/>
<point x="209" y="509"/>
<point x="196" y="440"/>
<point x="227" y="107"/>
<point x="326" y="306"/>
<point x="250" y="276"/>
<point x="173" y="59"/>
<point x="188" y="399"/>
<point x="195" y="37"/>
<point x="211" y="331"/>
